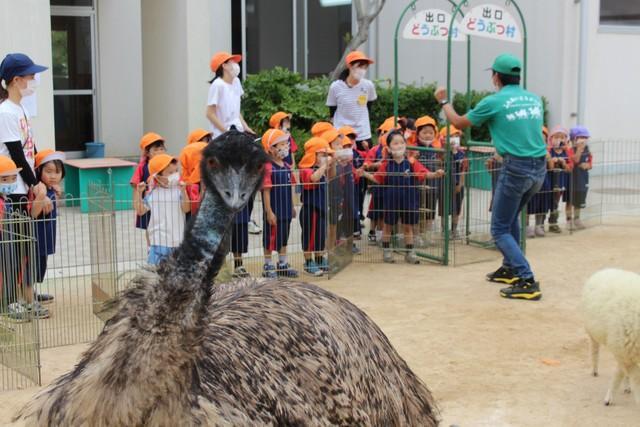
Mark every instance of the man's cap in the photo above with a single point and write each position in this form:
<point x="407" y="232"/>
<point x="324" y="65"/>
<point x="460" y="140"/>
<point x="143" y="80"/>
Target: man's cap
<point x="320" y="127"/>
<point x="158" y="163"/>
<point x="277" y="118"/>
<point x="48" y="155"/>
<point x="356" y="55"/>
<point x="507" y="64"/>
<point x="197" y="135"/>
<point x="272" y="137"/>
<point x="311" y="147"/>
<point x="579" y="132"/>
<point x="220" y="58"/>
<point x="148" y="139"/>
<point x="8" y="167"/>
<point x="426" y="121"/>
<point x="18" y="64"/>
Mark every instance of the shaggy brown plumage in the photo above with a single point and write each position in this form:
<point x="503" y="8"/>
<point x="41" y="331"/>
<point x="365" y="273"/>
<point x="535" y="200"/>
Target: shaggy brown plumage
<point x="179" y="352"/>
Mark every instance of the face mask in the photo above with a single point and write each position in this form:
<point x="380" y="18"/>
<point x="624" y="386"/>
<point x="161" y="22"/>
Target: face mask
<point x="398" y="153"/>
<point x="344" y="154"/>
<point x="173" y="179"/>
<point x="358" y="73"/>
<point x="282" y="153"/>
<point x="455" y="141"/>
<point x="234" y="70"/>
<point x="8" y="188"/>
<point x="30" y="89"/>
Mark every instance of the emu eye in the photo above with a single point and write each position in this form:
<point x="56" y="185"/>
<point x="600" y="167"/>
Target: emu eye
<point x="243" y="195"/>
<point x="212" y="162"/>
<point x="227" y="193"/>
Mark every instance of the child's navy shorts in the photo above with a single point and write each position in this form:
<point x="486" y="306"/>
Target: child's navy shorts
<point x="394" y="213"/>
<point x="314" y="229"/>
<point x="276" y="237"/>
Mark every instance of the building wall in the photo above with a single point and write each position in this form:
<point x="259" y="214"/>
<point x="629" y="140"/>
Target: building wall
<point x="25" y="26"/>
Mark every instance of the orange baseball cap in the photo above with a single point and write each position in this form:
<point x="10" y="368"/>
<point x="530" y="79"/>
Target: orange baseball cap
<point x="197" y="135"/>
<point x="452" y="131"/>
<point x="48" y="155"/>
<point x="347" y="130"/>
<point x="277" y="118"/>
<point x="387" y="125"/>
<point x="311" y="147"/>
<point x="148" y="139"/>
<point x="426" y="121"/>
<point x="356" y="55"/>
<point x="220" y="58"/>
<point x="320" y="128"/>
<point x="160" y="163"/>
<point x="330" y="135"/>
<point x="8" y="167"/>
<point x="272" y="137"/>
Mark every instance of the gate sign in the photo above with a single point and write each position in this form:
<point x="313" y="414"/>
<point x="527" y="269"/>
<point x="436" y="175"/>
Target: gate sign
<point x="431" y="24"/>
<point x="491" y="21"/>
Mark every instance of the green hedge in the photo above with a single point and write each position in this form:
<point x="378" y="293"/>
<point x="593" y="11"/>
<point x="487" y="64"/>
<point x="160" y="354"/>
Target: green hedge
<point x="279" y="89"/>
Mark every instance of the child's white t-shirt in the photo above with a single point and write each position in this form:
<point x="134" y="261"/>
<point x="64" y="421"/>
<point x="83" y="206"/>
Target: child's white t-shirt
<point x="16" y="126"/>
<point x="226" y="98"/>
<point x="166" y="226"/>
<point x="351" y="103"/>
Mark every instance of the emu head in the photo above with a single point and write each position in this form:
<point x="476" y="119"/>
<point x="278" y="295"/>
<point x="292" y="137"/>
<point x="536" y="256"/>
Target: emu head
<point x="233" y="166"/>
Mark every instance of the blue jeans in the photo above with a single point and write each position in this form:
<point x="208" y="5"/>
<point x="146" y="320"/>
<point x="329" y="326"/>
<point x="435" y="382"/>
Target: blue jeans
<point x="520" y="178"/>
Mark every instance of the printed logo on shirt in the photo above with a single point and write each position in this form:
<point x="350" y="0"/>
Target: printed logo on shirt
<point x="362" y="100"/>
<point x="27" y="137"/>
<point x="523" y="108"/>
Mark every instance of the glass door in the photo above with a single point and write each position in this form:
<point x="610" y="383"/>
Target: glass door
<point x="74" y="94"/>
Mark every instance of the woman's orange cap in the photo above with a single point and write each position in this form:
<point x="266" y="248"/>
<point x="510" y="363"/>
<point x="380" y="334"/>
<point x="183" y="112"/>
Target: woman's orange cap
<point x="197" y="135"/>
<point x="48" y="155"/>
<point x="277" y="118"/>
<point x="273" y="136"/>
<point x="160" y="162"/>
<point x="320" y="128"/>
<point x="311" y="147"/>
<point x="356" y="55"/>
<point x="426" y="121"/>
<point x="347" y="130"/>
<point x="8" y="167"/>
<point x="148" y="139"/>
<point x="220" y="58"/>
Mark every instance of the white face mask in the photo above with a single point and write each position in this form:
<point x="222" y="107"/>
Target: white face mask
<point x="282" y="153"/>
<point x="344" y="154"/>
<point x="8" y="188"/>
<point x="234" y="69"/>
<point x="455" y="141"/>
<point x="398" y="153"/>
<point x="30" y="89"/>
<point x="173" y="179"/>
<point x="358" y="73"/>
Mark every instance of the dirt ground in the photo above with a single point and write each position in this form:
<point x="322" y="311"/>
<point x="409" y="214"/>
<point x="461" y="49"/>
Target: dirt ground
<point x="488" y="361"/>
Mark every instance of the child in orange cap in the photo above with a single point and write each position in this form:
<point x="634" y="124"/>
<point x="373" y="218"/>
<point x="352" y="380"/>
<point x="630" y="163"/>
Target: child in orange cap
<point x="225" y="93"/>
<point x="190" y="158"/>
<point x="44" y="209"/>
<point x="151" y="145"/>
<point x="168" y="201"/>
<point x="320" y="127"/>
<point x="314" y="167"/>
<point x="431" y="158"/>
<point x="457" y="174"/>
<point x="277" y="198"/>
<point x="282" y="121"/>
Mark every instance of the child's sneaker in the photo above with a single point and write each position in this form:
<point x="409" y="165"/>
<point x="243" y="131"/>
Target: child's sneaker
<point x="570" y="225"/>
<point x="18" y="312"/>
<point x="254" y="228"/>
<point x="539" y="230"/>
<point x="411" y="258"/>
<point x="285" y="270"/>
<point x="37" y="311"/>
<point x="455" y="235"/>
<point x="554" y="228"/>
<point x="355" y="249"/>
<point x="311" y="268"/>
<point x="387" y="256"/>
<point x="240" y="273"/>
<point x="420" y="242"/>
<point x="44" y="298"/>
<point x="578" y="224"/>
<point x="371" y="237"/>
<point x="269" y="271"/>
<point x="324" y="265"/>
<point x="531" y="232"/>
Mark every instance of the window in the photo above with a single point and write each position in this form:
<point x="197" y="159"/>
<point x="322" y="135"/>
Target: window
<point x="619" y="12"/>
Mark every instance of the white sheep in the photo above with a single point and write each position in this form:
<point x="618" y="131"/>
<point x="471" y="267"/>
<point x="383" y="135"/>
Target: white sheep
<point x="611" y="310"/>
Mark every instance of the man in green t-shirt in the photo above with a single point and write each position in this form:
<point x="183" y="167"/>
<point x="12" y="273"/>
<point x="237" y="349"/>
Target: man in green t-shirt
<point x="515" y="120"/>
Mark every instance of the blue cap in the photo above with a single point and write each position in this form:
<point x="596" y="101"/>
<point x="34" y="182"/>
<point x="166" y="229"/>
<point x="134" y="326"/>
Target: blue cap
<point x="579" y="132"/>
<point x="18" y="64"/>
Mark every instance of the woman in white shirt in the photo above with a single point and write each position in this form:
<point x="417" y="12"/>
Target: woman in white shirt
<point x="225" y="92"/>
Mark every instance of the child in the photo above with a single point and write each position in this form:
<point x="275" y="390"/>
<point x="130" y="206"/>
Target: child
<point x="314" y="167"/>
<point x="457" y="173"/>
<point x="336" y="190"/>
<point x="399" y="177"/>
<point x="426" y="132"/>
<point x="542" y="201"/>
<point x="579" y="184"/>
<point x="319" y="128"/>
<point x="44" y="208"/>
<point x="277" y="198"/>
<point x="168" y="201"/>
<point x="151" y="145"/>
<point x="357" y="162"/>
<point x="190" y="158"/>
<point x="19" y="305"/>
<point x="560" y="164"/>
<point x="282" y="121"/>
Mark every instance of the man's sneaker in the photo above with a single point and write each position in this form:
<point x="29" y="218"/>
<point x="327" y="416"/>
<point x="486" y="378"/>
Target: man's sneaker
<point x="44" y="298"/>
<point x="240" y="273"/>
<point x="539" y="230"/>
<point x="355" y="250"/>
<point x="311" y="268"/>
<point x="285" y="270"/>
<point x="387" y="256"/>
<point x="411" y="258"/>
<point x="502" y="275"/>
<point x="37" y="311"/>
<point x="527" y="289"/>
<point x="269" y="271"/>
<point x="18" y="312"/>
<point x="531" y="232"/>
<point x="578" y="224"/>
<point x="554" y="228"/>
<point x="254" y="228"/>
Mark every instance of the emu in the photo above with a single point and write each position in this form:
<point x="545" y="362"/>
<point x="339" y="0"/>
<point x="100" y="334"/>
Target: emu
<point x="181" y="351"/>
